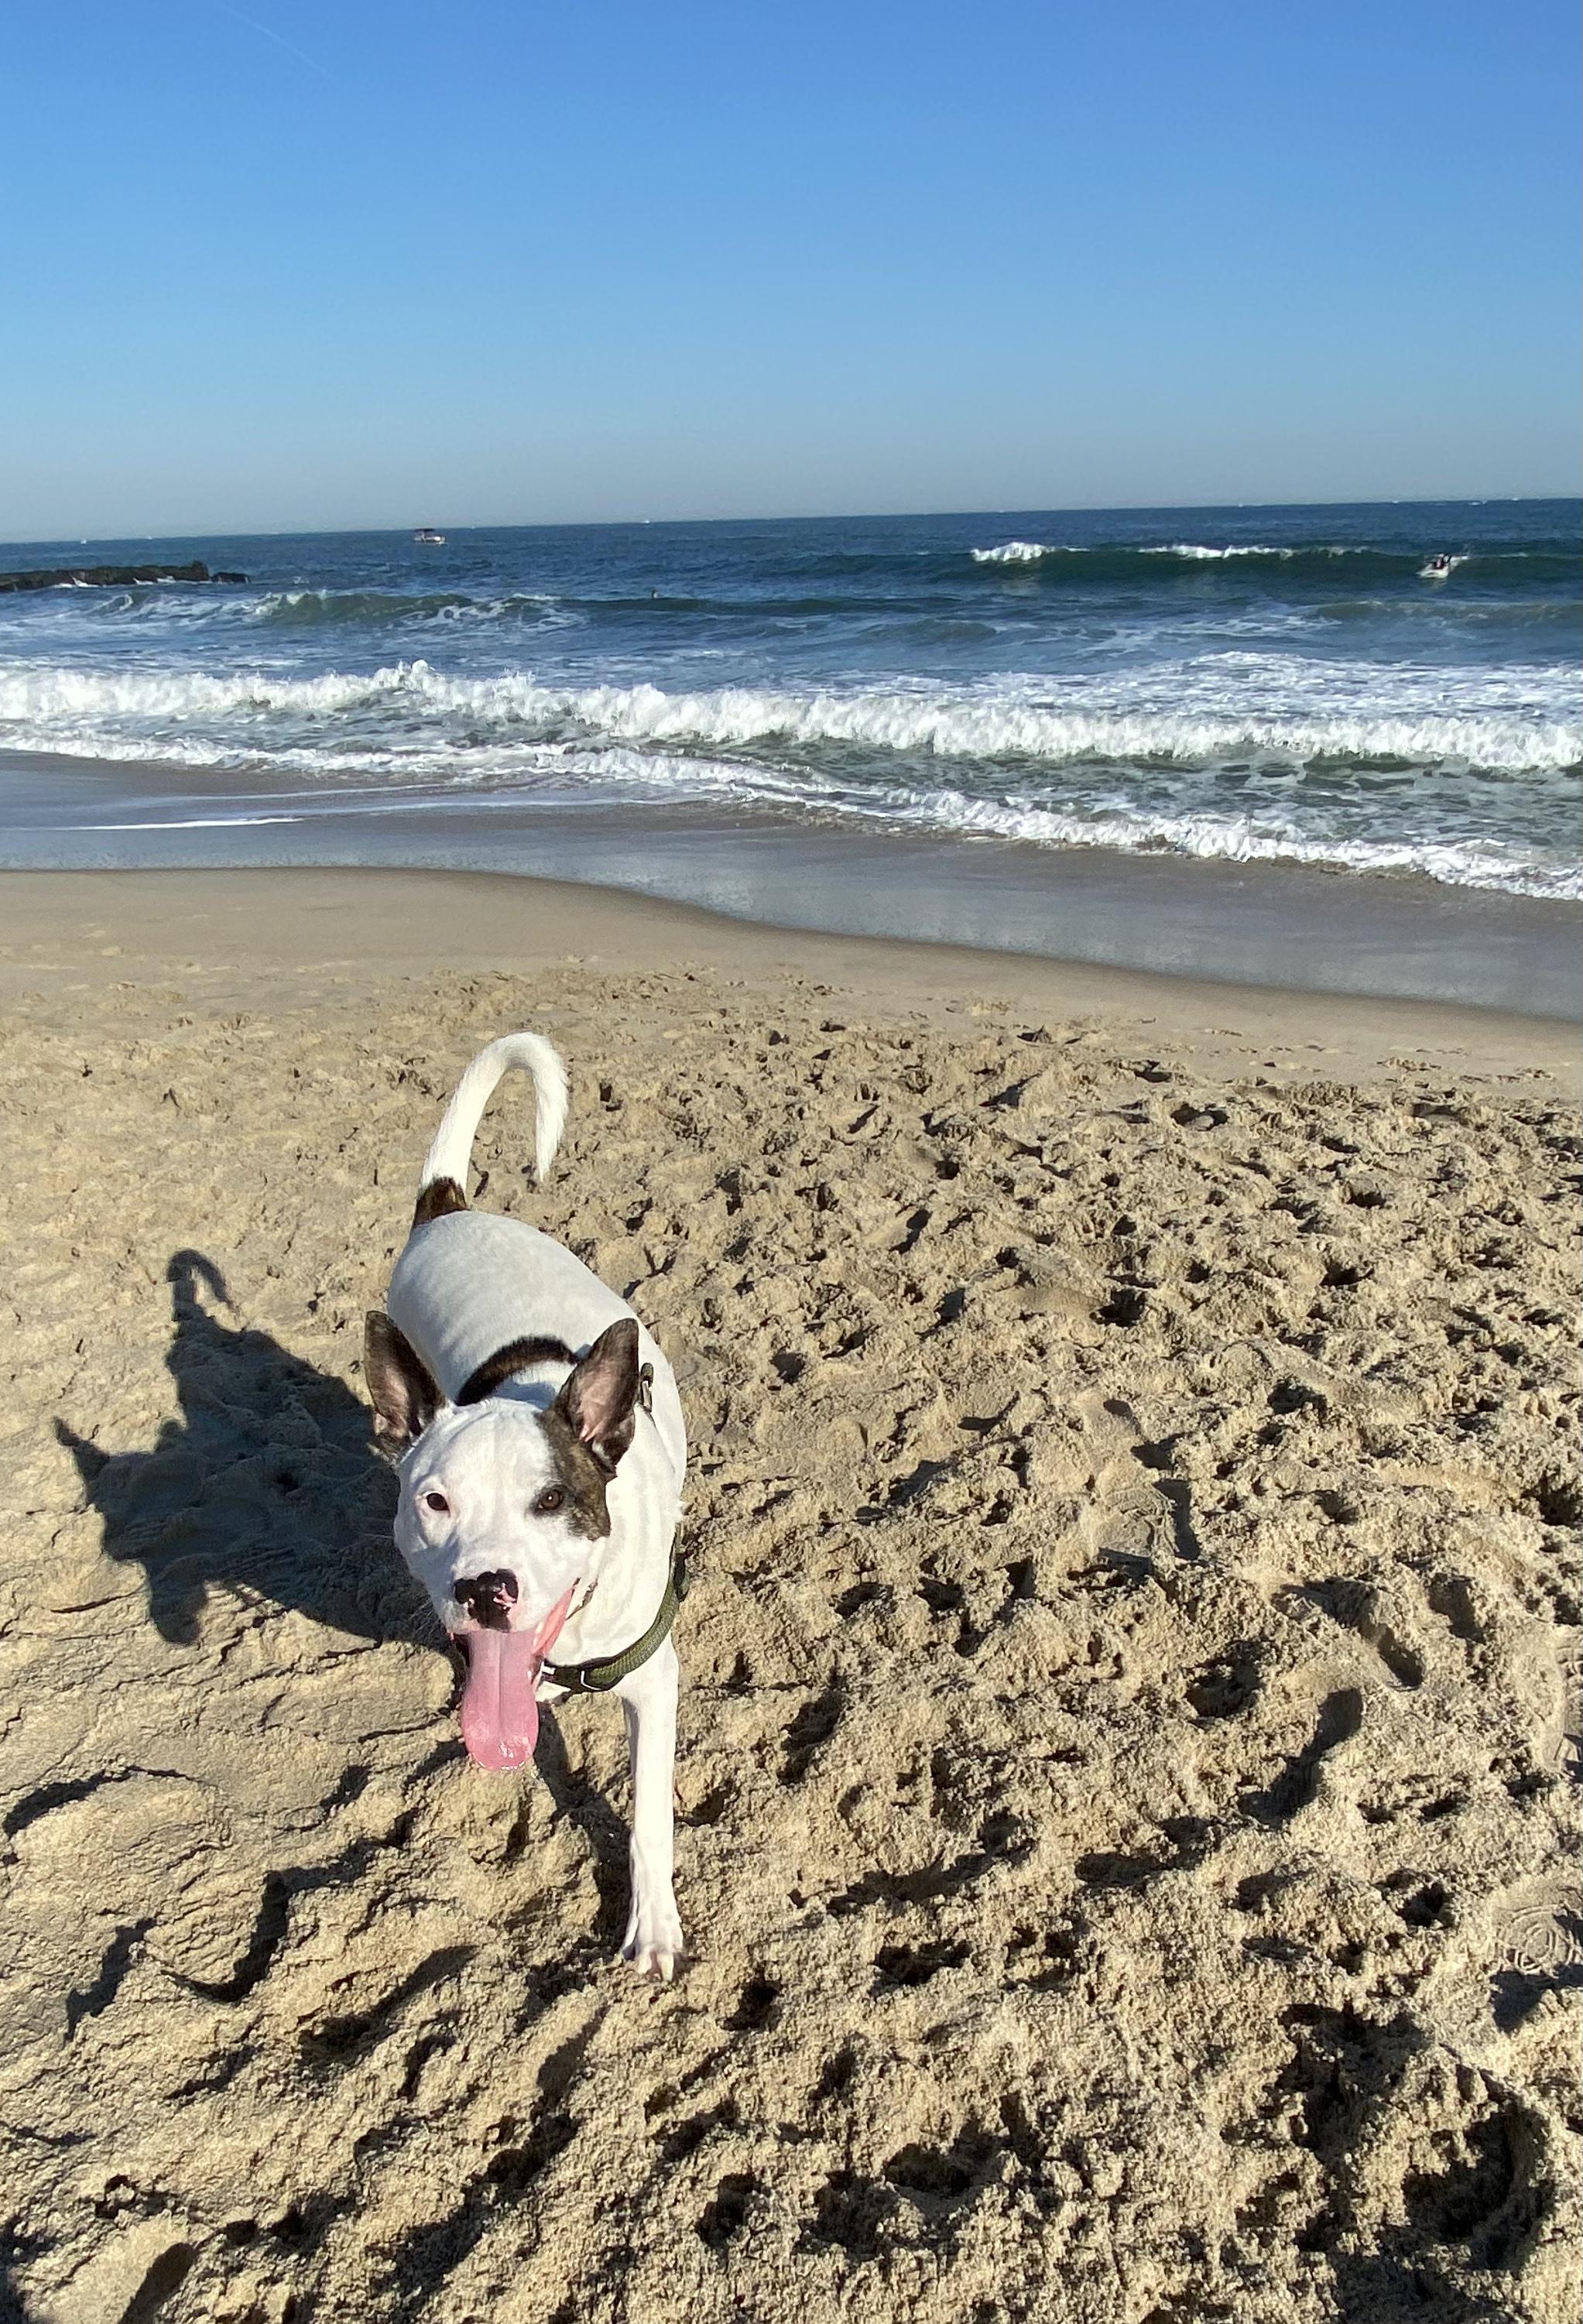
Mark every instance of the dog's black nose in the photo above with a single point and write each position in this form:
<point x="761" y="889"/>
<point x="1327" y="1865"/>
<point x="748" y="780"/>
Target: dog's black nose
<point x="487" y="1597"/>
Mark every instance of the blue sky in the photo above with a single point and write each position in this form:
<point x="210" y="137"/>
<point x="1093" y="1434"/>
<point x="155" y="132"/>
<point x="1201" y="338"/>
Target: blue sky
<point x="325" y="262"/>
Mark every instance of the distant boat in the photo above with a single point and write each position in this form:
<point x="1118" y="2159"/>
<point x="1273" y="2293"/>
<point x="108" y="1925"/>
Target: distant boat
<point x="427" y="538"/>
<point x="1441" y="567"/>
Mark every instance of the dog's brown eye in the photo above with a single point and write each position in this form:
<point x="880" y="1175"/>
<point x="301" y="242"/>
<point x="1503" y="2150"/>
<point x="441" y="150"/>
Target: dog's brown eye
<point x="548" y="1502"/>
<point x="437" y="1502"/>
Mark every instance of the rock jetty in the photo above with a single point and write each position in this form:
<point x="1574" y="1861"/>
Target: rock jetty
<point x="113" y="577"/>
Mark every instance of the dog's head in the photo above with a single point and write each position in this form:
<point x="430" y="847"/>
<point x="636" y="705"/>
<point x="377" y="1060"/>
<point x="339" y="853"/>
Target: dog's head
<point x="503" y="1511"/>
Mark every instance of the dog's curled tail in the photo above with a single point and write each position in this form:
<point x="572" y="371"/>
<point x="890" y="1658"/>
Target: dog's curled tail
<point x="527" y="1053"/>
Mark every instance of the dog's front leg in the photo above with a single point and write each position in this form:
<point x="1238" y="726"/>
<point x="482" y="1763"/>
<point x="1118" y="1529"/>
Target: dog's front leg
<point x="648" y="1698"/>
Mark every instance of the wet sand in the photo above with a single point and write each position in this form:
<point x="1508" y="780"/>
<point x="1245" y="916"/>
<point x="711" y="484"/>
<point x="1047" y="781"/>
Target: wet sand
<point x="1289" y="926"/>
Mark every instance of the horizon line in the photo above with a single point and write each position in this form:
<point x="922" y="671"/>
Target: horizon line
<point x="589" y="524"/>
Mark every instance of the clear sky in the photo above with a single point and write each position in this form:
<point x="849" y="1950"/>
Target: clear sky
<point x="314" y="264"/>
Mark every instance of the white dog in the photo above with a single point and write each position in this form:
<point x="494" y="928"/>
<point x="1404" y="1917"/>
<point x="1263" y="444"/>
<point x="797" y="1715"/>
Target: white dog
<point x="542" y="1451"/>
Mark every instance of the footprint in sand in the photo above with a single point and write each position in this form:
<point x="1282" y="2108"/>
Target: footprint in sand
<point x="1538" y="1928"/>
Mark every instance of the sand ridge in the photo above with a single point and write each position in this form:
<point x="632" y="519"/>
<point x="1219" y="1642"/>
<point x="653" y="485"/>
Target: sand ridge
<point x="1129" y="1735"/>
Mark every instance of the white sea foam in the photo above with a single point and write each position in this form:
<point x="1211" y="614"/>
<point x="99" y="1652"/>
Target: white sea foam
<point x="308" y="607"/>
<point x="1241" y="839"/>
<point x="1197" y="552"/>
<point x="589" y="780"/>
<point x="1030" y="552"/>
<point x="190" y="822"/>
<point x="1460" y="774"/>
<point x="1014" y="552"/>
<point x="1225" y="706"/>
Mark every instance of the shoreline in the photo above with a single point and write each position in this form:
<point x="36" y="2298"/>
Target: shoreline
<point x="228" y="927"/>
<point x="1291" y="927"/>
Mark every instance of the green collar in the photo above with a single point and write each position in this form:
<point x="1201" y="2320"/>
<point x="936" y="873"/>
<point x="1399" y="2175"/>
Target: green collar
<point x="598" y="1678"/>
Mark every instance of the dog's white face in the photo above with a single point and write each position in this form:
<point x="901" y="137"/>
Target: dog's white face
<point x="503" y="1515"/>
<point x="494" y="1519"/>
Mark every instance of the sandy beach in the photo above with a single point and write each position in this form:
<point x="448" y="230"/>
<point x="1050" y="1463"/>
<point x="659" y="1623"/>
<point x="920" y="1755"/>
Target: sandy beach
<point x="1129" y="1731"/>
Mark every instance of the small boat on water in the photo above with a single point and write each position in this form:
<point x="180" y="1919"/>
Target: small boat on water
<point x="1439" y="567"/>
<point x="427" y="538"/>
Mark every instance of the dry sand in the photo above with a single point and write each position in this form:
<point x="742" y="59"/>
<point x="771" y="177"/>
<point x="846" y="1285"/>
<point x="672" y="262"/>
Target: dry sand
<point x="1128" y="1718"/>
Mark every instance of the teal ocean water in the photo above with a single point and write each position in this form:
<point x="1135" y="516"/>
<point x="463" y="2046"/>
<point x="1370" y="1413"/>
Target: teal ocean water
<point x="1296" y="685"/>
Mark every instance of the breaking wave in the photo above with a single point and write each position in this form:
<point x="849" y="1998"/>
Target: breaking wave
<point x="55" y="708"/>
<point x="1191" y="552"/>
<point x="310" y="609"/>
<point x="1019" y="552"/>
<point x="1238" y="839"/>
<point x="1320" y="561"/>
<point x="542" y="777"/>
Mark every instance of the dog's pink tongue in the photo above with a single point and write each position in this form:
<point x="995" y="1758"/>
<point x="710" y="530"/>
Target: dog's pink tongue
<point x="500" y="1714"/>
<point x="500" y="1706"/>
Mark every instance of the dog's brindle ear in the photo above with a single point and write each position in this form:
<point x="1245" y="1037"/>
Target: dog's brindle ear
<point x="599" y="1401"/>
<point x="405" y="1399"/>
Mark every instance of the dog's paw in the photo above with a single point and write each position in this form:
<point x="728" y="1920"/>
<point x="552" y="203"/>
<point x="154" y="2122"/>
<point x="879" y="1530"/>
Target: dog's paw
<point x="653" y="1960"/>
<point x="653" y="1943"/>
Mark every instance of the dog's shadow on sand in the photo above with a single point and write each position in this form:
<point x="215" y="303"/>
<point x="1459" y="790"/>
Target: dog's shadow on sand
<point x="267" y="1487"/>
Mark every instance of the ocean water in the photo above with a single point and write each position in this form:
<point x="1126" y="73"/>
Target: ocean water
<point x="1279" y="684"/>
